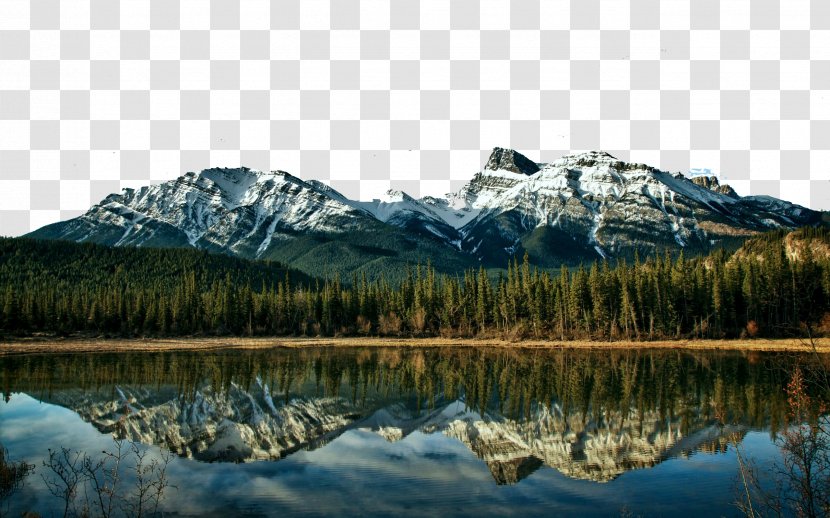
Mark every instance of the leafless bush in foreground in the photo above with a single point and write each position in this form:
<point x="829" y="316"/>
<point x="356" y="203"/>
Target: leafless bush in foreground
<point x="123" y="482"/>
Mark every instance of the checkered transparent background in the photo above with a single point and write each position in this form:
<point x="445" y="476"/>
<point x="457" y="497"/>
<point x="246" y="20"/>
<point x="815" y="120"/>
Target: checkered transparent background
<point x="96" y="95"/>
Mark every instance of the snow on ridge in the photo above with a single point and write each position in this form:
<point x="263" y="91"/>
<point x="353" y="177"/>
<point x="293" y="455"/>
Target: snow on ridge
<point x="388" y="206"/>
<point x="233" y="183"/>
<point x="774" y="202"/>
<point x="209" y="201"/>
<point x="597" y="156"/>
<point x="215" y="204"/>
<point x="592" y="173"/>
<point x="489" y="189"/>
<point x="693" y="191"/>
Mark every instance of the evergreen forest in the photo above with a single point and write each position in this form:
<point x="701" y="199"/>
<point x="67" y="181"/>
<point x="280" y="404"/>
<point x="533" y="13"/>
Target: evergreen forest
<point x="777" y="284"/>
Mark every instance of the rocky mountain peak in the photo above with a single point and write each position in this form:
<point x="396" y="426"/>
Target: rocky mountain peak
<point x="231" y="181"/>
<point x="709" y="182"/>
<point x="595" y="155"/>
<point x="509" y="160"/>
<point x="228" y="172"/>
<point x="590" y="159"/>
<point x="241" y="175"/>
<point x="712" y="183"/>
<point x="394" y="195"/>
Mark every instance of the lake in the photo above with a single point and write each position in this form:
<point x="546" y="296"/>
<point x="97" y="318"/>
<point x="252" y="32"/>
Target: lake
<point x="409" y="431"/>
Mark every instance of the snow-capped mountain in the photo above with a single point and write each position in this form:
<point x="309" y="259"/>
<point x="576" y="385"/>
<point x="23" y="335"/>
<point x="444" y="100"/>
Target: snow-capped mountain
<point x="592" y="205"/>
<point x="235" y="209"/>
<point x="241" y="425"/>
<point x="579" y="207"/>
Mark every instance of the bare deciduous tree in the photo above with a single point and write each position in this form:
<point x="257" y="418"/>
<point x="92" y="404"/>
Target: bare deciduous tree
<point x="71" y="473"/>
<point x="798" y="484"/>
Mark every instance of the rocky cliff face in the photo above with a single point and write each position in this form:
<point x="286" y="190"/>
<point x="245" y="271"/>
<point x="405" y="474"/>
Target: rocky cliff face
<point x="577" y="208"/>
<point x="712" y="183"/>
<point x="510" y="160"/>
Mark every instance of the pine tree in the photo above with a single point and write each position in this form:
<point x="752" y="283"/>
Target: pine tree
<point x="11" y="319"/>
<point x="482" y="300"/>
<point x="598" y="292"/>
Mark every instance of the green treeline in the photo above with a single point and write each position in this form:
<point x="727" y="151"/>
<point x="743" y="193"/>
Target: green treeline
<point x="691" y="387"/>
<point x="771" y="287"/>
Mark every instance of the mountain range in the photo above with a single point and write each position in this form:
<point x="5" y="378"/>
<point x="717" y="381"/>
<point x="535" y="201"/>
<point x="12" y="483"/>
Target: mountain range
<point x="575" y="209"/>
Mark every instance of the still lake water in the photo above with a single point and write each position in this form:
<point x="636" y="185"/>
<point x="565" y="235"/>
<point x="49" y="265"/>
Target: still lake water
<point x="426" y="432"/>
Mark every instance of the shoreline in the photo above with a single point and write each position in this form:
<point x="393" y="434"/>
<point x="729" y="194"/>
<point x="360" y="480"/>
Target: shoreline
<point x="101" y="345"/>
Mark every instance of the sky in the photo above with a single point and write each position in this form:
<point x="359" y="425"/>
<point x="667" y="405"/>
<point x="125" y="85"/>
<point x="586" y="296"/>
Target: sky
<point x="98" y="95"/>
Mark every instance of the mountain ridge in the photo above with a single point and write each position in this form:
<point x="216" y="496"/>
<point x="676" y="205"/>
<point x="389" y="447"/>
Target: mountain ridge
<point x="577" y="208"/>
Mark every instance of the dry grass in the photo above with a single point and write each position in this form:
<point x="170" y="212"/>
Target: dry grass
<point x="35" y="346"/>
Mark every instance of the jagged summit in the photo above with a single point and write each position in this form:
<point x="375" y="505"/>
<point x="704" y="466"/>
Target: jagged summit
<point x="711" y="182"/>
<point x="577" y="208"/>
<point x="595" y="158"/>
<point x="593" y="155"/>
<point x="509" y="160"/>
<point x="394" y="195"/>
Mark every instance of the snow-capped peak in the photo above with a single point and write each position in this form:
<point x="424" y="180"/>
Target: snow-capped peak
<point x="586" y="159"/>
<point x="393" y="195"/>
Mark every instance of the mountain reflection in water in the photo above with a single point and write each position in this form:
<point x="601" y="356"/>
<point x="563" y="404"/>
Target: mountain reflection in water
<point x="590" y="415"/>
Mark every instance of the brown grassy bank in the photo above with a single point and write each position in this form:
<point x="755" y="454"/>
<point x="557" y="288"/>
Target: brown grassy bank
<point x="79" y="345"/>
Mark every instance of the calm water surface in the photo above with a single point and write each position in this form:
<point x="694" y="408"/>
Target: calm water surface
<point x="407" y="431"/>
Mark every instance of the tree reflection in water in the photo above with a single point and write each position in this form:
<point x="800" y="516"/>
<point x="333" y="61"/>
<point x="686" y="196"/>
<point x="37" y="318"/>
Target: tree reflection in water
<point x="798" y="483"/>
<point x="589" y="414"/>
